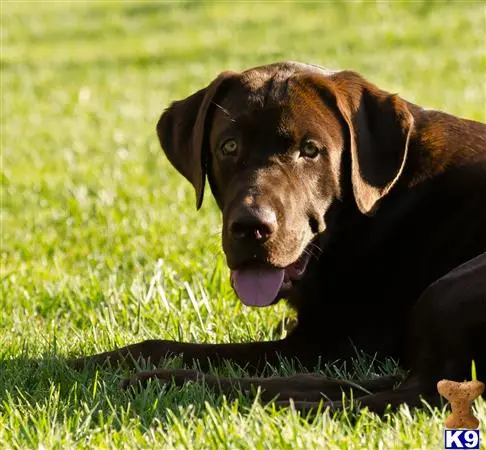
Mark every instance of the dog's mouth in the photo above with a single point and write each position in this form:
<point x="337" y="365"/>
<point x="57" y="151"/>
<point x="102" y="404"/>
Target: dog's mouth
<point x="265" y="285"/>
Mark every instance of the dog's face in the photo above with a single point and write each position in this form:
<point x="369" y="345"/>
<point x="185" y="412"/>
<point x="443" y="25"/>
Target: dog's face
<point x="271" y="141"/>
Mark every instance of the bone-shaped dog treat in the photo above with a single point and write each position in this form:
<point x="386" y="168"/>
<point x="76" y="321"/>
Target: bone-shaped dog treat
<point x="461" y="396"/>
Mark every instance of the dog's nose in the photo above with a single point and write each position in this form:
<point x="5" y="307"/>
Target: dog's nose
<point x="253" y="223"/>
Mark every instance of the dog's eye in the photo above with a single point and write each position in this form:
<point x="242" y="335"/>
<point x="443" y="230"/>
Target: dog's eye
<point x="229" y="147"/>
<point x="309" y="149"/>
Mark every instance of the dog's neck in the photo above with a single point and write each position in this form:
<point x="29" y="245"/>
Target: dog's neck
<point x="440" y="141"/>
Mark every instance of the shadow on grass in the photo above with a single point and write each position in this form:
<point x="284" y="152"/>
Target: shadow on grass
<point x="95" y="396"/>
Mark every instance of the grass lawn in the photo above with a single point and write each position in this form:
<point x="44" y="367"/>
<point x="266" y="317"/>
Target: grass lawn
<point x="101" y="244"/>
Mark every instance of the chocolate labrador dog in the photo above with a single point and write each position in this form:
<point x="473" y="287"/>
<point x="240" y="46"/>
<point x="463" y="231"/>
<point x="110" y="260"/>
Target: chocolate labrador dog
<point x="365" y="211"/>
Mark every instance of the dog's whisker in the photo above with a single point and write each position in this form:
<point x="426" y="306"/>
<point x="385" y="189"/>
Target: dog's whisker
<point x="316" y="247"/>
<point x="225" y="111"/>
<point x="309" y="252"/>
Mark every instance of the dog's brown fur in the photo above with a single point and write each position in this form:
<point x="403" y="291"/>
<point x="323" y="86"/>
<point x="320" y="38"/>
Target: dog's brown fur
<point x="395" y="203"/>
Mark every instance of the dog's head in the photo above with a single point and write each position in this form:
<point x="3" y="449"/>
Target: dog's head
<point x="274" y="142"/>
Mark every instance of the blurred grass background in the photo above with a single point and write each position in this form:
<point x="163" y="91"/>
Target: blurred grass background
<point x="100" y="241"/>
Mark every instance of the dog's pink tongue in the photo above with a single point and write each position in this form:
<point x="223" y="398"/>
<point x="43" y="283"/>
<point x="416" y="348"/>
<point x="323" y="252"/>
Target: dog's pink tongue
<point x="257" y="287"/>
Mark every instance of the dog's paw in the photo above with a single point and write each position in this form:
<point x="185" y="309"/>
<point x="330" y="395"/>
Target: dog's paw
<point x="132" y="382"/>
<point x="162" y="376"/>
<point x="312" y="407"/>
<point x="92" y="361"/>
<point x="141" y="380"/>
<point x="76" y="364"/>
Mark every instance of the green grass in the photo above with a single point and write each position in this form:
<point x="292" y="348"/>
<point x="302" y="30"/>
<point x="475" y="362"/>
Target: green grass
<point x="100" y="242"/>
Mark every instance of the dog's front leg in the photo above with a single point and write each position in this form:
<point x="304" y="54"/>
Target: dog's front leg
<point x="222" y="385"/>
<point x="412" y="392"/>
<point x="308" y="387"/>
<point x="252" y="356"/>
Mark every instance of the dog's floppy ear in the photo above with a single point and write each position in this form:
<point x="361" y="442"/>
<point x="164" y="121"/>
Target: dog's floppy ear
<point x="182" y="132"/>
<point x="380" y="126"/>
